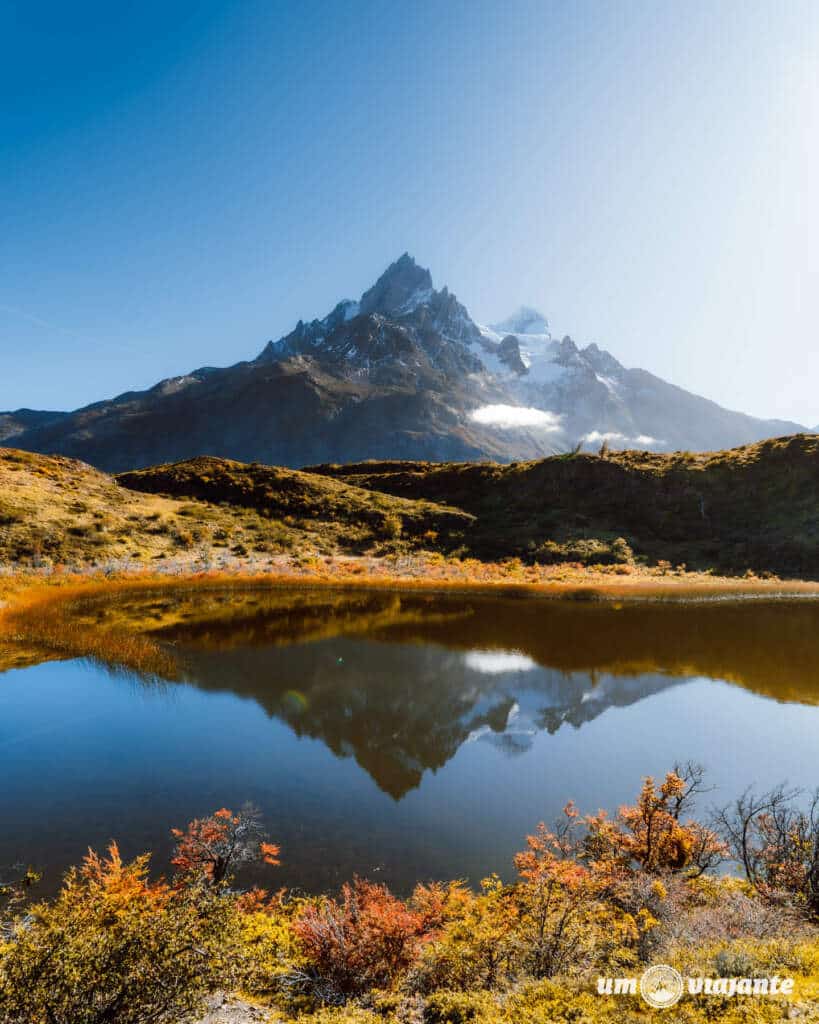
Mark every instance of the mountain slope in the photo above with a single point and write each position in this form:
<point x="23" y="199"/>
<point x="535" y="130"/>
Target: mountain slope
<point x="13" y="424"/>
<point x="402" y="373"/>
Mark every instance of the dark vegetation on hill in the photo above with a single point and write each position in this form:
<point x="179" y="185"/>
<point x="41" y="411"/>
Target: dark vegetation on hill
<point x="755" y="507"/>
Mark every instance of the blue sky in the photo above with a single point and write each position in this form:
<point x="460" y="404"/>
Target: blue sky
<point x="180" y="182"/>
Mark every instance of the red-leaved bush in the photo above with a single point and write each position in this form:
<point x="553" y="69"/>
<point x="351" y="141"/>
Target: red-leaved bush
<point x="215" y="845"/>
<point x="362" y="940"/>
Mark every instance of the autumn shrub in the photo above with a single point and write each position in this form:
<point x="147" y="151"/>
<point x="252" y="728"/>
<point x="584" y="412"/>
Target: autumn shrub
<point x="365" y="939"/>
<point x="566" y="912"/>
<point x="584" y="551"/>
<point x="710" y="909"/>
<point x="345" y="1015"/>
<point x="775" y="955"/>
<point x="475" y="946"/>
<point x="116" y="947"/>
<point x="775" y="838"/>
<point x="458" y="1007"/>
<point x="654" y="835"/>
<point x="391" y="525"/>
<point x="15" y="884"/>
<point x="212" y="847"/>
<point x="271" y="962"/>
<point x="182" y="538"/>
<point x="567" y="1002"/>
<point x="595" y="895"/>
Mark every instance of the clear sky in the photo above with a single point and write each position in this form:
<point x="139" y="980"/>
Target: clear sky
<point x="180" y="182"/>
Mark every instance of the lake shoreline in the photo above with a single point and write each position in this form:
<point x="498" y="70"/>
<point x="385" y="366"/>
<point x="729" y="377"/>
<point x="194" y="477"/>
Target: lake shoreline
<point x="35" y="604"/>
<point x="561" y="582"/>
<point x="36" y="608"/>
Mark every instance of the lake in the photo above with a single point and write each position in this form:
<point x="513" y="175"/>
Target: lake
<point x="401" y="736"/>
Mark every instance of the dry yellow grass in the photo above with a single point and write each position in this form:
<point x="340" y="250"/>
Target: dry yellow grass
<point x="51" y="506"/>
<point x="56" y="511"/>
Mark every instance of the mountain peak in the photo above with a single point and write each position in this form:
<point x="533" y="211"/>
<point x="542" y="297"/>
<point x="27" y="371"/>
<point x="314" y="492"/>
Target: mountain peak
<point x="394" y="291"/>
<point x="525" y="320"/>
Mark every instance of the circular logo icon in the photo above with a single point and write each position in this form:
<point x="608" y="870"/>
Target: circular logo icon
<point x="661" y="986"/>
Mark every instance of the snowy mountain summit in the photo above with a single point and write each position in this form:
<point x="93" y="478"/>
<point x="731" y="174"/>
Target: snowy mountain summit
<point x="513" y="381"/>
<point x="403" y="372"/>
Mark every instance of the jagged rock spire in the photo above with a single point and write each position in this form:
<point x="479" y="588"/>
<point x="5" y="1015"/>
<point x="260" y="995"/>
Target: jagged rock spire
<point x="396" y="287"/>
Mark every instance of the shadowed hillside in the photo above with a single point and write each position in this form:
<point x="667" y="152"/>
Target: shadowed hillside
<point x="753" y="507"/>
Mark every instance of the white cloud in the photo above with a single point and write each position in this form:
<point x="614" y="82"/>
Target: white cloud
<point x="516" y="416"/>
<point x="495" y="663"/>
<point x="595" y="437"/>
<point x="612" y="437"/>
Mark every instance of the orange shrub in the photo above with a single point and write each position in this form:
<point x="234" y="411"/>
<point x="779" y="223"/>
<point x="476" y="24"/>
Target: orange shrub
<point x="363" y="940"/>
<point x="213" y="846"/>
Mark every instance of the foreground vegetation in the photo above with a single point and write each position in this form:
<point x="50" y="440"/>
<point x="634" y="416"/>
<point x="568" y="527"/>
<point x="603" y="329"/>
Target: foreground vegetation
<point x="595" y="896"/>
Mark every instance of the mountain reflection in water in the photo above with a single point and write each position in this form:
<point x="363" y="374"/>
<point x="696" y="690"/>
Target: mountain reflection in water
<point x="431" y="673"/>
<point x="406" y="735"/>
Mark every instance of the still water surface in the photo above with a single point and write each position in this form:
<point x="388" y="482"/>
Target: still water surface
<point x="401" y="737"/>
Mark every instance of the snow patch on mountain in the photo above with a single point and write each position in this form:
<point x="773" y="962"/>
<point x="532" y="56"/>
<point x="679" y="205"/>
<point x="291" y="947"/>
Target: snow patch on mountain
<point x="419" y="297"/>
<point x="524" y="320"/>
<point x="172" y="385"/>
<point x="607" y="382"/>
<point x="507" y="416"/>
<point x="538" y="353"/>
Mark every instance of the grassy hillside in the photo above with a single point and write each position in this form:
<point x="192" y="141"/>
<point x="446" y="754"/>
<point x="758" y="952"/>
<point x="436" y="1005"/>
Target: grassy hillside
<point x="289" y="493"/>
<point x="755" y="507"/>
<point x="55" y="510"/>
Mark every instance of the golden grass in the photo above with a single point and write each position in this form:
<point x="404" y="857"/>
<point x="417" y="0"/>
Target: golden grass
<point x="206" y="513"/>
<point x="44" y="620"/>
